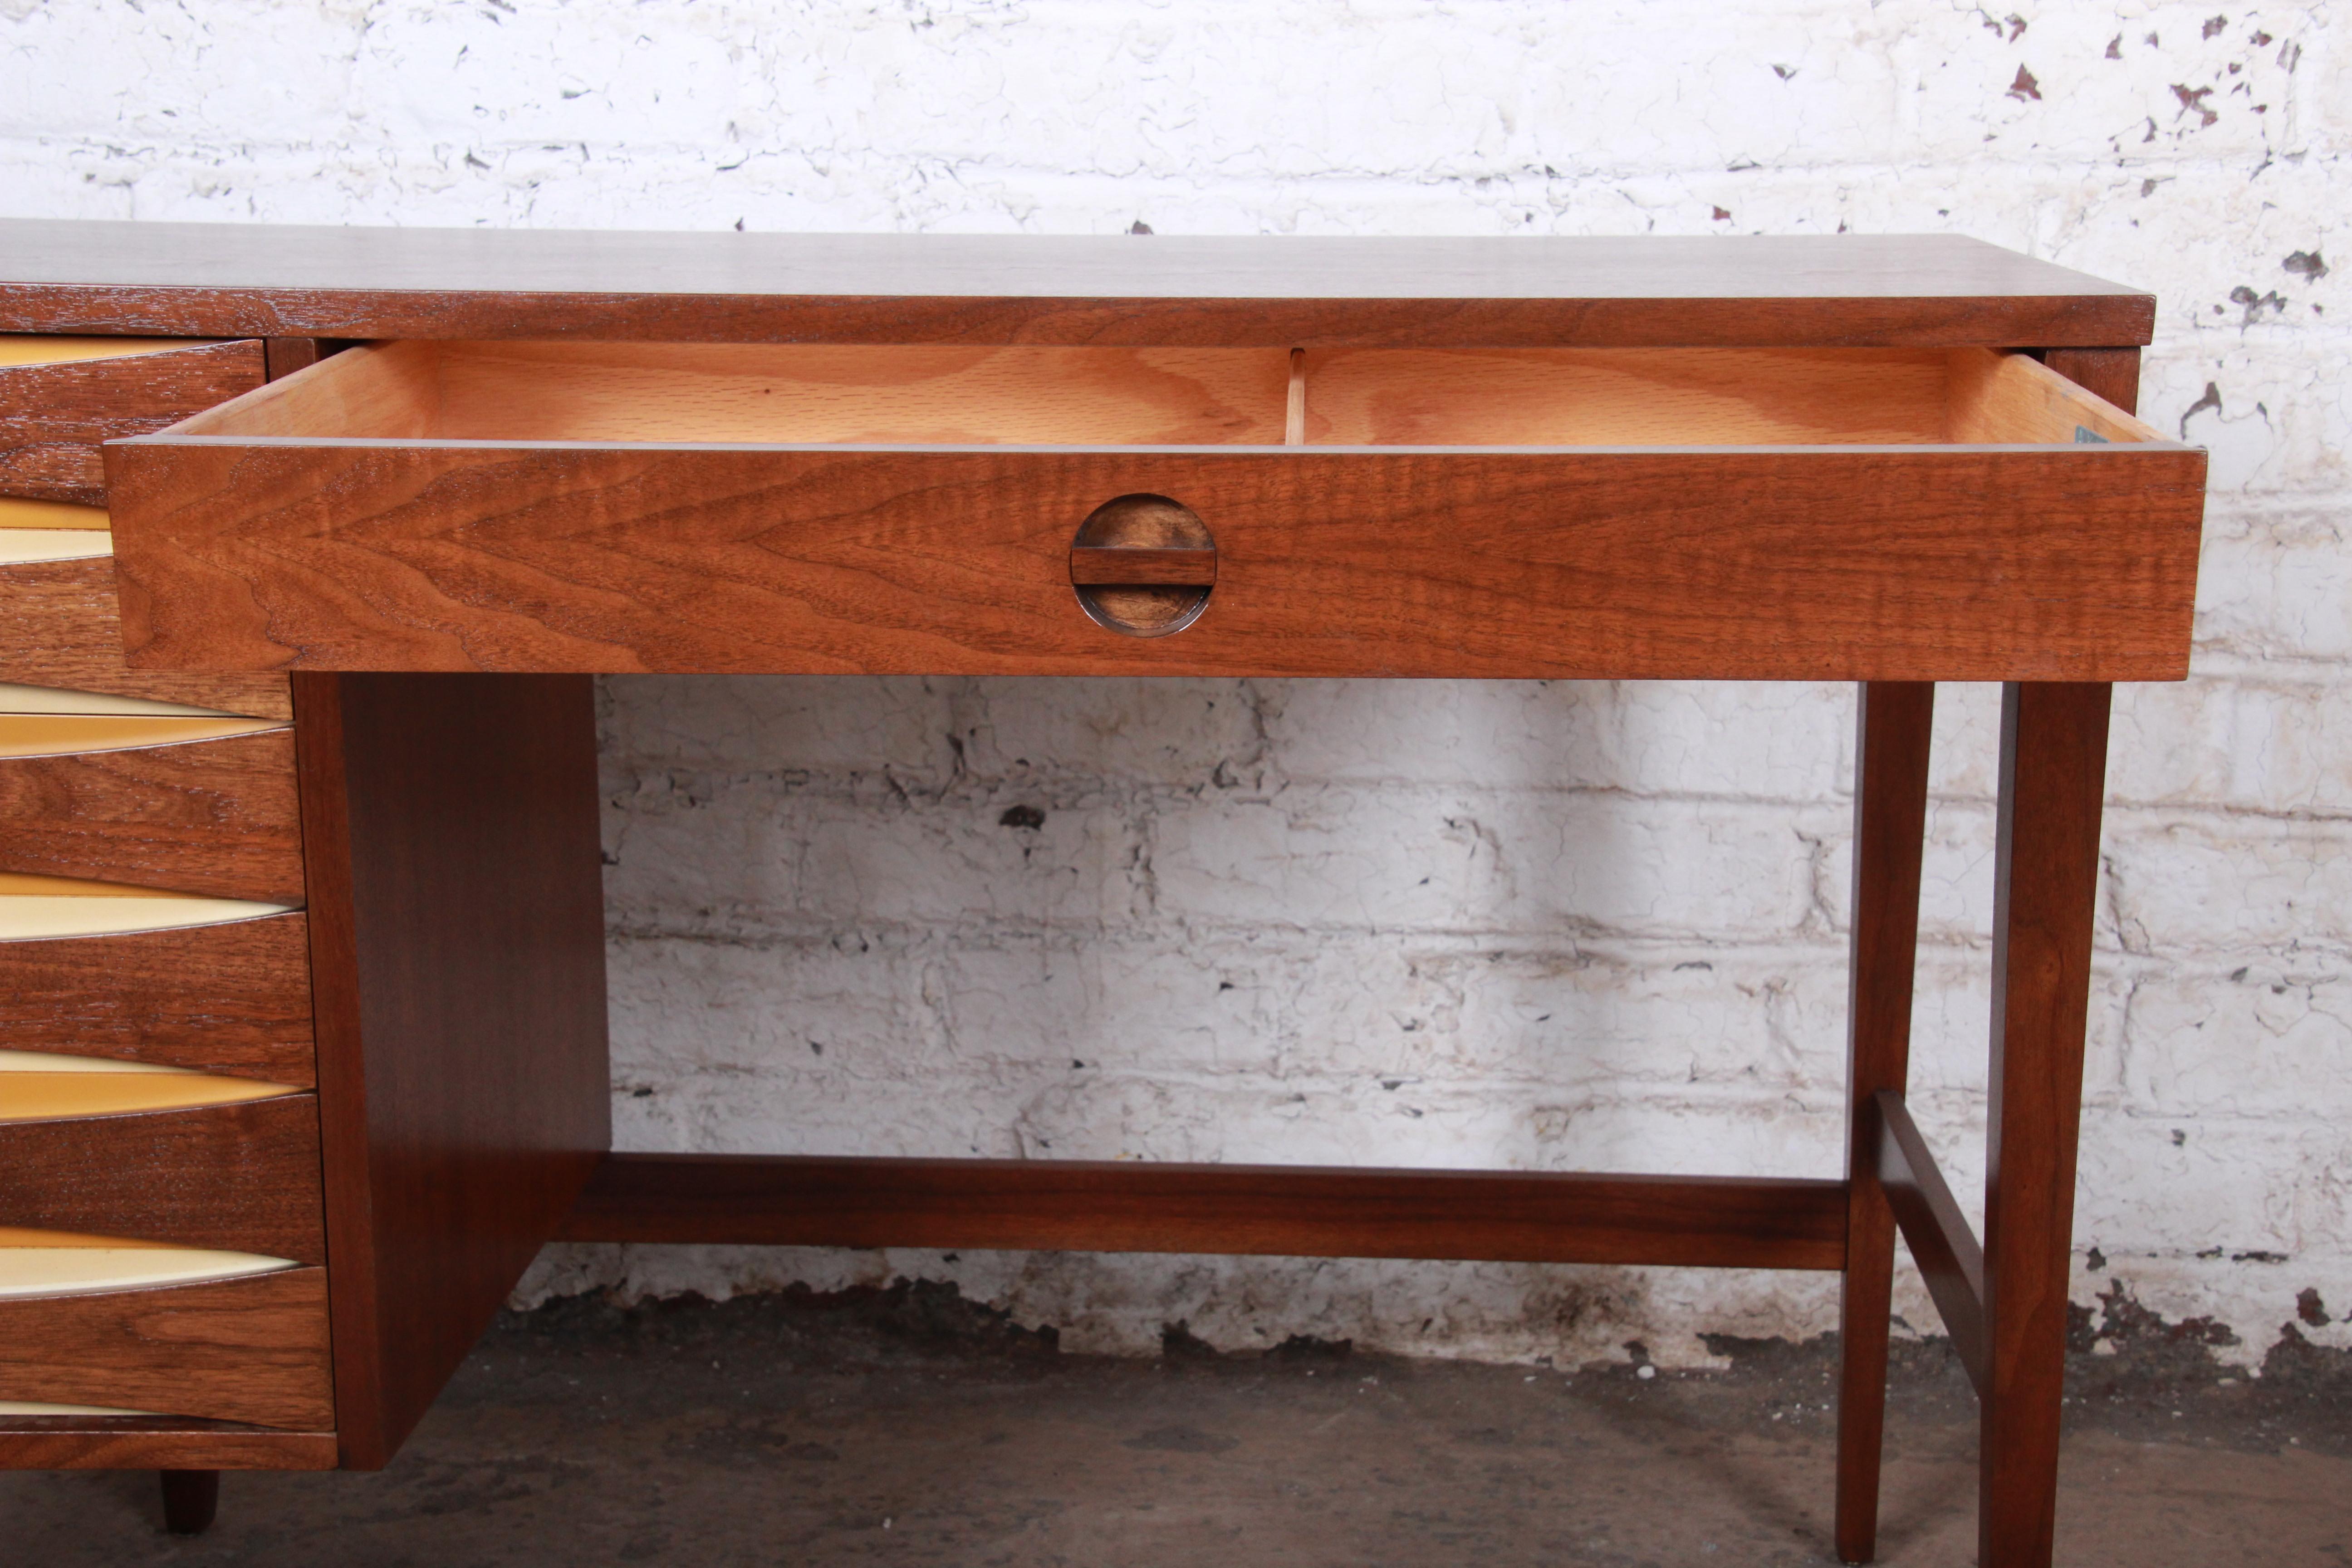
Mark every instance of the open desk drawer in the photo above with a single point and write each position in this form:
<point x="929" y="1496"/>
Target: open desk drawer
<point x="1824" y="514"/>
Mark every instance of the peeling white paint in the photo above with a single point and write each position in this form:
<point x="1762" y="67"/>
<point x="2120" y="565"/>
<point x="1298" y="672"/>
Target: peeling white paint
<point x="1519" y="925"/>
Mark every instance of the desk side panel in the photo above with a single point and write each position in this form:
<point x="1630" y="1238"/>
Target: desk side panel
<point x="458" y="969"/>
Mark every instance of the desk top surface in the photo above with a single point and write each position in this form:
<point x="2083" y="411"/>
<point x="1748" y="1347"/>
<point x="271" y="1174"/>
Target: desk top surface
<point x="221" y="279"/>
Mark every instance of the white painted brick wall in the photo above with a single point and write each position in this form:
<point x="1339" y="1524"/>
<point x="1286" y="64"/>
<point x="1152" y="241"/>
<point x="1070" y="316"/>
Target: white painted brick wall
<point x="1538" y="926"/>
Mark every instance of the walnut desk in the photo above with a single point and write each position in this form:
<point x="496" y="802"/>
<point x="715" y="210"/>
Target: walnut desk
<point x="302" y="1038"/>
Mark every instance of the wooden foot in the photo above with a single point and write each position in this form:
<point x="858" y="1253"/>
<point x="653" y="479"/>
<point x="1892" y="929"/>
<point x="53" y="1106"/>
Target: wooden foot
<point x="190" y="1500"/>
<point x="2054" y="754"/>
<point x="1890" y="811"/>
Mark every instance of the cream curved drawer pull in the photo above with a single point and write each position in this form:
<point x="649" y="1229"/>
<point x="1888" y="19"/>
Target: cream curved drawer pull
<point x="60" y="1061"/>
<point x="16" y="512"/>
<point x="64" y="1263"/>
<point x="39" y="1086"/>
<point x="45" y="909"/>
<point x="29" y="348"/>
<point x="31" y="547"/>
<point x="16" y="698"/>
<point x="73" y="734"/>
<point x="34" y="530"/>
<point x="31" y="1407"/>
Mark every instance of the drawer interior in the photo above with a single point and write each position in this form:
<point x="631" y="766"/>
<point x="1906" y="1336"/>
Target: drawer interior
<point x="796" y="393"/>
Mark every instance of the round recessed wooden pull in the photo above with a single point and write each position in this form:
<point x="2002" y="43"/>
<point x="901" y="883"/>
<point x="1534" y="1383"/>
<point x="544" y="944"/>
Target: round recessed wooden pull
<point x="1143" y="566"/>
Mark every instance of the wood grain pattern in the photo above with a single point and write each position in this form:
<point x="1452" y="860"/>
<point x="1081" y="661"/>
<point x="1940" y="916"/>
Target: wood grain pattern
<point x="286" y="280"/>
<point x="235" y="1178"/>
<point x="394" y="387"/>
<point x="2113" y="374"/>
<point x="1112" y="563"/>
<point x="232" y="999"/>
<point x="119" y="1443"/>
<point x="1681" y="397"/>
<point x="2015" y="397"/>
<point x="1952" y="563"/>
<point x="2053" y="757"/>
<point x="1289" y="1210"/>
<point x="1937" y="1232"/>
<point x="1024" y="395"/>
<point x="774" y="393"/>
<point x="1893" y="726"/>
<point x="213" y="817"/>
<point x="59" y="627"/>
<point x="457" y="946"/>
<point x="53" y="416"/>
<point x="283" y="356"/>
<point x="250" y="1351"/>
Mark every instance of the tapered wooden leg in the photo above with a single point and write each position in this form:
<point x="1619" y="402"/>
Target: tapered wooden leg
<point x="2054" y="754"/>
<point x="190" y="1500"/>
<point x="1890" y="817"/>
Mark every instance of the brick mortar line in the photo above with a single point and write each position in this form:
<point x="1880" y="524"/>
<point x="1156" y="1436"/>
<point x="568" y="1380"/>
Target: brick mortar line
<point x="1499" y="945"/>
<point x="1150" y="796"/>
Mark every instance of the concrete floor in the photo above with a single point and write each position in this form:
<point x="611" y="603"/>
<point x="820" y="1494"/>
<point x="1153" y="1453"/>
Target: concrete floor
<point x="909" y="1427"/>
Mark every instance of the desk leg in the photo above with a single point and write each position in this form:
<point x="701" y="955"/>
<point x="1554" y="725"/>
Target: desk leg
<point x="1890" y="815"/>
<point x="191" y="1497"/>
<point x="2054" y="756"/>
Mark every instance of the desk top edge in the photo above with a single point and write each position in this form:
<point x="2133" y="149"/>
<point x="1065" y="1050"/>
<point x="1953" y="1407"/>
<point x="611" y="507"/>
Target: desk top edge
<point x="302" y="280"/>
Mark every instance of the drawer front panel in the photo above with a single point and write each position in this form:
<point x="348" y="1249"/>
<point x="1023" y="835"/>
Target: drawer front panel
<point x="53" y="416"/>
<point x="59" y="627"/>
<point x="232" y="998"/>
<point x="1955" y="563"/>
<point x="232" y="1178"/>
<point x="251" y="1350"/>
<point x="37" y="1442"/>
<point x="211" y="817"/>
